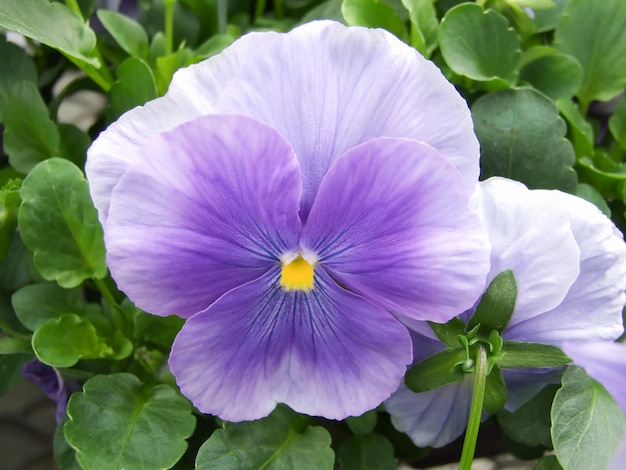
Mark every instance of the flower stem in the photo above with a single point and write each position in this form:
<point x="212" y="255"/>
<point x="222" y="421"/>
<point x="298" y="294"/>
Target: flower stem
<point x="169" y="25"/>
<point x="476" y="410"/>
<point x="259" y="9"/>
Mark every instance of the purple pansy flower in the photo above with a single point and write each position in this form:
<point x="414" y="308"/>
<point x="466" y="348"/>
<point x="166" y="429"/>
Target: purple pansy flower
<point x="569" y="261"/>
<point x="288" y="196"/>
<point x="605" y="362"/>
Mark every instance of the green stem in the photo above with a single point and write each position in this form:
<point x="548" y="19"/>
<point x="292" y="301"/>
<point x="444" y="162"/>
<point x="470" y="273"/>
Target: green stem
<point x="279" y="9"/>
<point x="259" y="10"/>
<point x="100" y="76"/>
<point x="106" y="292"/>
<point x="73" y="5"/>
<point x="169" y="26"/>
<point x="222" y="16"/>
<point x="476" y="410"/>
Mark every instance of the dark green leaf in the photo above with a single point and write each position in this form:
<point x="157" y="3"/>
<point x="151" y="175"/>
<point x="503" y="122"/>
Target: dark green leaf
<point x="496" y="305"/>
<point x="363" y="424"/>
<point x="30" y="135"/>
<point x="59" y="223"/>
<point x="549" y="462"/>
<point x="366" y="452"/>
<point x="52" y="24"/>
<point x="436" y="370"/>
<point x="16" y="269"/>
<point x="74" y="144"/>
<point x="9" y="204"/>
<point x="495" y="391"/>
<point x="479" y="44"/>
<point x="522" y="137"/>
<point x="617" y="123"/>
<point x="592" y="195"/>
<point x="117" y="422"/>
<point x="448" y="333"/>
<point x="135" y="86"/>
<point x="373" y="14"/>
<point x="64" y="455"/>
<point x="587" y="424"/>
<point x="283" y="440"/>
<point x="16" y="66"/>
<point x="546" y="20"/>
<point x="593" y="33"/>
<point x="518" y="354"/>
<point x="556" y="75"/>
<point x="128" y="33"/>
<point x="10" y="370"/>
<point x="580" y="131"/>
<point x="158" y="330"/>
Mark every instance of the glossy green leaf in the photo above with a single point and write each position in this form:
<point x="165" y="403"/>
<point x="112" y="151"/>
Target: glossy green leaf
<point x="30" y="135"/>
<point x="64" y="341"/>
<point x="617" y="123"/>
<point x="283" y="440"/>
<point x="58" y="222"/>
<point x="448" y="333"/>
<point x="587" y="424"/>
<point x="436" y="370"/>
<point x="518" y="354"/>
<point x="34" y="18"/>
<point x="135" y="87"/>
<point x="373" y="14"/>
<point x="489" y="48"/>
<point x="593" y="33"/>
<point x="127" y="32"/>
<point x="119" y="423"/>
<point x="495" y="391"/>
<point x="522" y="137"/>
<point x="556" y="75"/>
<point x="496" y="305"/>
<point x="366" y="452"/>
<point x="580" y="131"/>
<point x="363" y="424"/>
<point x="424" y="25"/>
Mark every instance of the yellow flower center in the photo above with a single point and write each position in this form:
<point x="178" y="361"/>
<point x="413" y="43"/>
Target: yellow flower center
<point x="297" y="275"/>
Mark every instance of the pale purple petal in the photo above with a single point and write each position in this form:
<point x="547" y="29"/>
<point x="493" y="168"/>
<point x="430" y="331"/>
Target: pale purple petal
<point x="524" y="384"/>
<point x="392" y="222"/>
<point x="533" y="238"/>
<point x="617" y="463"/>
<point x="327" y="88"/>
<point x="323" y="352"/>
<point x="434" y="418"/>
<point x="120" y="144"/>
<point x="213" y="204"/>
<point x="592" y="309"/>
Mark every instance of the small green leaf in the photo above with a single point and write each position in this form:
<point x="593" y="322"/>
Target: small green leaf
<point x="587" y="424"/>
<point x="580" y="131"/>
<point x="52" y="24"/>
<point x="617" y="123"/>
<point x="593" y="33"/>
<point x="158" y="330"/>
<point x="556" y="75"/>
<point x="518" y="354"/>
<point x="117" y="422"/>
<point x="495" y="391"/>
<point x="479" y="44"/>
<point x="127" y="32"/>
<point x="424" y="25"/>
<point x="212" y="46"/>
<point x="283" y="440"/>
<point x="167" y="65"/>
<point x="496" y="305"/>
<point x="522" y="137"/>
<point x="63" y="342"/>
<point x="448" y="333"/>
<point x="30" y="136"/>
<point x="135" y="87"/>
<point x="363" y="424"/>
<point x="58" y="222"/>
<point x="436" y="370"/>
<point x="9" y="204"/>
<point x="373" y="14"/>
<point x="366" y="452"/>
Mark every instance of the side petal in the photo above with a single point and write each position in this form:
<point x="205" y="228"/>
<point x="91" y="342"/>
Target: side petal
<point x="119" y="145"/>
<point x="324" y="352"/>
<point x="534" y="239"/>
<point x="434" y="418"/>
<point x="592" y="308"/>
<point x="212" y="204"/>
<point x="327" y="88"/>
<point x="392" y="222"/>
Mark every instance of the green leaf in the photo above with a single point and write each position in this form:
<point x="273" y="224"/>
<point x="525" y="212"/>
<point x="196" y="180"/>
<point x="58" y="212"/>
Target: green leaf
<point x="64" y="455"/>
<point x="52" y="24"/>
<point x="74" y="144"/>
<point x="448" y="333"/>
<point x="212" y="46"/>
<point x="556" y="75"/>
<point x="64" y="341"/>
<point x="549" y="462"/>
<point x="135" y="86"/>
<point x="534" y="4"/>
<point x="117" y="422"/>
<point x="617" y="123"/>
<point x="518" y="354"/>
<point x="522" y="137"/>
<point x="58" y="222"/>
<point x="363" y="424"/>
<point x="546" y="20"/>
<point x="9" y="204"/>
<point x="496" y="305"/>
<point x="495" y="392"/>
<point x="580" y="131"/>
<point x="30" y="136"/>
<point x="283" y="440"/>
<point x="373" y="14"/>
<point x="10" y="345"/>
<point x="158" y="330"/>
<point x="593" y="32"/>
<point x="127" y="32"/>
<point x="479" y="44"/>
<point x="592" y="195"/>
<point x="10" y="370"/>
<point x="587" y="424"/>
<point x="366" y="452"/>
<point x="436" y="370"/>
<point x="167" y="65"/>
<point x="424" y="25"/>
<point x="17" y="66"/>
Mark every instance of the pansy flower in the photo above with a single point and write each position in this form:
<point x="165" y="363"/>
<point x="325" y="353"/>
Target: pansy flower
<point x="569" y="261"/>
<point x="288" y="197"/>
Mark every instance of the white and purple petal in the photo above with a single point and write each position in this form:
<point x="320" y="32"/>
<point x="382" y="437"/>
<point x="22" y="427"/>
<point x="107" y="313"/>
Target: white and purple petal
<point x="392" y="222"/>
<point x="211" y="205"/>
<point x="324" y="352"/>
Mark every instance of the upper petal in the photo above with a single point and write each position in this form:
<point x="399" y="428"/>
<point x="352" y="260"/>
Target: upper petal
<point x="209" y="206"/>
<point x="327" y="87"/>
<point x="324" y="352"/>
<point x="392" y="222"/>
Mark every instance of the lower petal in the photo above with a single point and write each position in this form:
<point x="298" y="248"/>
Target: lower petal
<point x="324" y="352"/>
